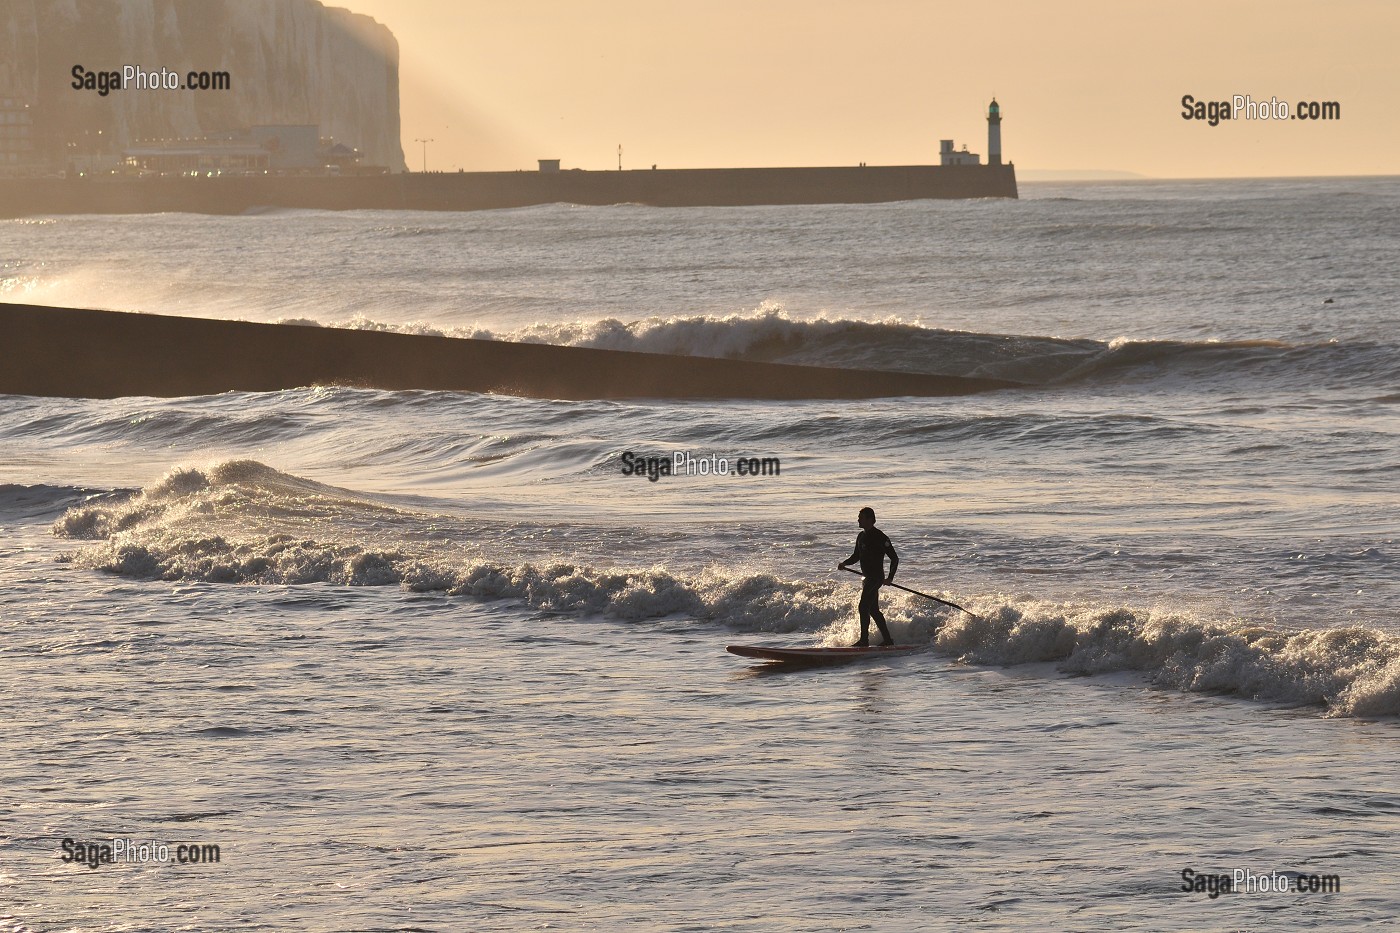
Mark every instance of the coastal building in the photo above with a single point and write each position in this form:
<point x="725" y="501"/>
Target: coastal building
<point x="290" y="148"/>
<point x="947" y="155"/>
<point x="16" y="135"/>
<point x="196" y="157"/>
<point x="294" y="149"/>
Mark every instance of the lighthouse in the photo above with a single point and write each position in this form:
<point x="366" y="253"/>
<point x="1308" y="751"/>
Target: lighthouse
<point x="994" y="133"/>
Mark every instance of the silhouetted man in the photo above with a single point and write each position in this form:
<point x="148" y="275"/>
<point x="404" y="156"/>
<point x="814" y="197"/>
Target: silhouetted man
<point x="871" y="547"/>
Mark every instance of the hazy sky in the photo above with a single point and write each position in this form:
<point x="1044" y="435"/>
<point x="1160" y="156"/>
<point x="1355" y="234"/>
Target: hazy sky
<point x="1083" y="84"/>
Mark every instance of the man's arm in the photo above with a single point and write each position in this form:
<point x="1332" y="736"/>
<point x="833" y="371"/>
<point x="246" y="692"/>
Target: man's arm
<point x="855" y="556"/>
<point x="894" y="559"/>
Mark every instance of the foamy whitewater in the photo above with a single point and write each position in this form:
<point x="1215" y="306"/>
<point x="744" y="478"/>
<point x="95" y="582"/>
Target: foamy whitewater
<point x="431" y="661"/>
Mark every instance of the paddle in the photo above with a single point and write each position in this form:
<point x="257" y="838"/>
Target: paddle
<point x="917" y="593"/>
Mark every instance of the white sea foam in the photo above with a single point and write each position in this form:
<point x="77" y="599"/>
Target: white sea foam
<point x="1353" y="671"/>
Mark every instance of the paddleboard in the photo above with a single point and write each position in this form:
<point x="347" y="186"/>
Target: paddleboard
<point x="814" y="655"/>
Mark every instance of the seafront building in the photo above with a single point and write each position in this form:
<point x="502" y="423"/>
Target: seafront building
<point x="16" y="137"/>
<point x="290" y="150"/>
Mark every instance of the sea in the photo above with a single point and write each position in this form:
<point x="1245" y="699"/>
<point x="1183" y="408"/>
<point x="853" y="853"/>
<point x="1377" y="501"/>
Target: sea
<point x="338" y="658"/>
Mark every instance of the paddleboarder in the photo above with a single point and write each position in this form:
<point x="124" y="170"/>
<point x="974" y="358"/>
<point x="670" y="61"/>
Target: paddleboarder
<point x="872" y="545"/>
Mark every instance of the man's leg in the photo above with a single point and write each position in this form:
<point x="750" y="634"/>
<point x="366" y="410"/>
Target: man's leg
<point x="868" y="606"/>
<point x="884" y="629"/>
<point x="864" y="625"/>
<point x="864" y="611"/>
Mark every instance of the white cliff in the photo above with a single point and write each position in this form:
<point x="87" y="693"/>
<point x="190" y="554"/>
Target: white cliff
<point x="289" y="62"/>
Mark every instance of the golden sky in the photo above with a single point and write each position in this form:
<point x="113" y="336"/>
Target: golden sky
<point x="1083" y="84"/>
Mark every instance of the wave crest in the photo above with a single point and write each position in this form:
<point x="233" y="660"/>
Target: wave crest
<point x="769" y="334"/>
<point x="1353" y="671"/>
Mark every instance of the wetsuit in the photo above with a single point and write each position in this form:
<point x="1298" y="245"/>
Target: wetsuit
<point x="872" y="545"/>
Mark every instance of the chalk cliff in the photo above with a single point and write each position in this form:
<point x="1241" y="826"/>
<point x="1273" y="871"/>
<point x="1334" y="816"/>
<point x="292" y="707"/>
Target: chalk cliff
<point x="289" y="61"/>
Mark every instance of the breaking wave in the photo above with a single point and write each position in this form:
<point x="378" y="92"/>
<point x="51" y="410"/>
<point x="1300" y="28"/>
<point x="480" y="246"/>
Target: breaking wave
<point x="1352" y="671"/>
<point x="769" y="334"/>
<point x="245" y="522"/>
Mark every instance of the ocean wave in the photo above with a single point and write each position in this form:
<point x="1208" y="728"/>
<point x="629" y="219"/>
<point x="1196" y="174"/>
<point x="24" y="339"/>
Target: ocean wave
<point x="19" y="502"/>
<point x="230" y="491"/>
<point x="770" y="334"/>
<point x="740" y="602"/>
<point x="243" y="522"/>
<point x="269" y="210"/>
<point x="230" y="523"/>
<point x="411" y="231"/>
<point x="1352" y="671"/>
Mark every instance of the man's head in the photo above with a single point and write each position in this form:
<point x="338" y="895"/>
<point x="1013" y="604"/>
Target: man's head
<point x="866" y="518"/>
